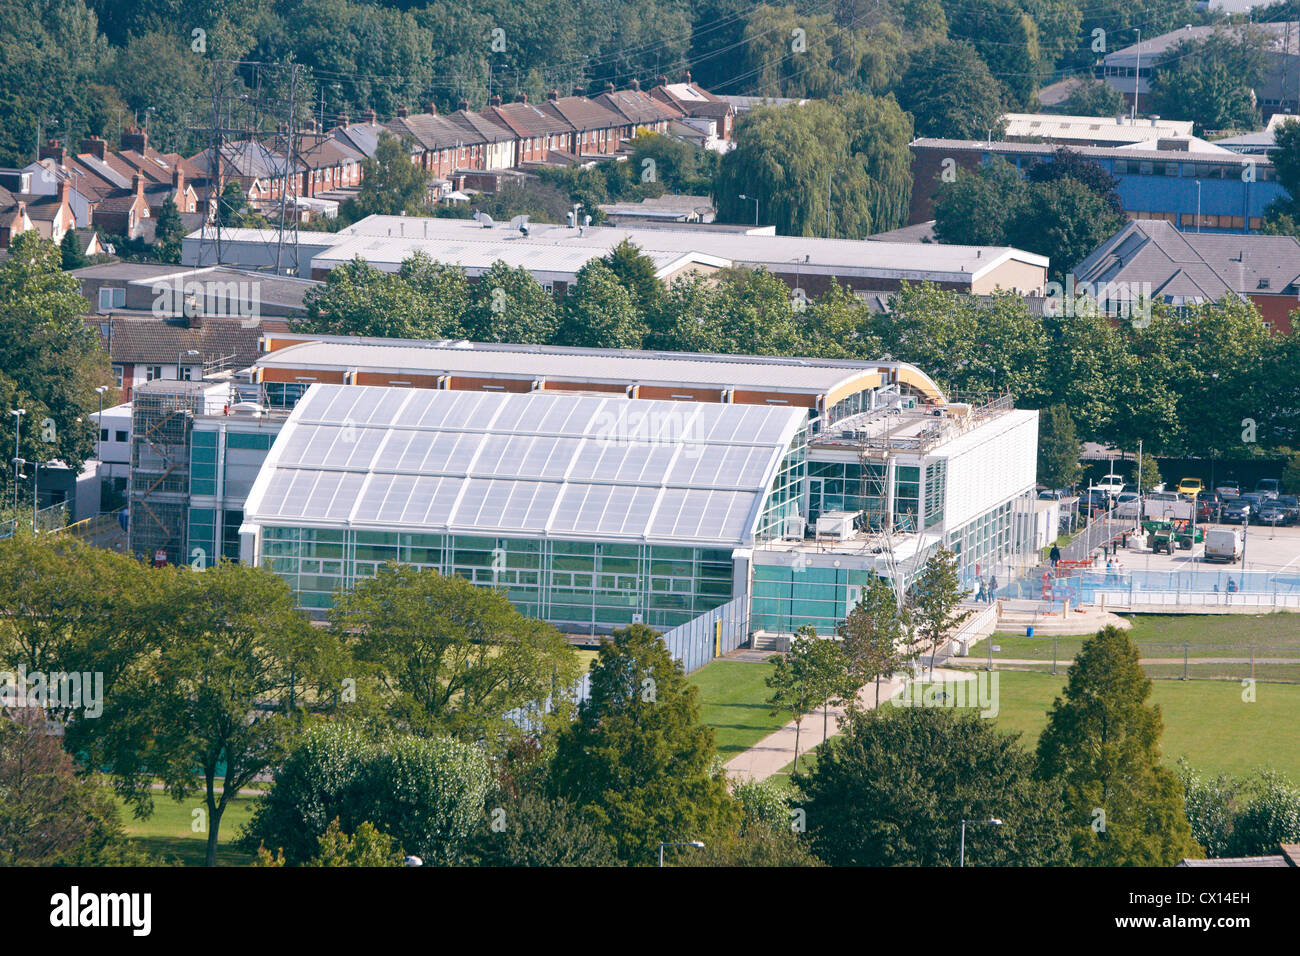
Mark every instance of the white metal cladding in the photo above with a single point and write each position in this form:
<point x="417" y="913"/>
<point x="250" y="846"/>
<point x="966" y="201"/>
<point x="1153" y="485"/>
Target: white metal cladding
<point x="535" y="465"/>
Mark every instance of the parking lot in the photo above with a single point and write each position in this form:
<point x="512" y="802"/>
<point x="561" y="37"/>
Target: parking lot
<point x="1267" y="549"/>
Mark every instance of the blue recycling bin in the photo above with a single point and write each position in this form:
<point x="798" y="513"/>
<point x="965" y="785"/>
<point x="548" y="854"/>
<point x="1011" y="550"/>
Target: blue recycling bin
<point x="1029" y="631"/>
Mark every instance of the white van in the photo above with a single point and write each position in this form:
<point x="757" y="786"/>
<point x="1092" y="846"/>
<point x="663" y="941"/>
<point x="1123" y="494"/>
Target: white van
<point x="1223" y="544"/>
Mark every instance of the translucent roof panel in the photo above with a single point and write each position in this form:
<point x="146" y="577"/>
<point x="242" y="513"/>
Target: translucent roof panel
<point x="531" y="464"/>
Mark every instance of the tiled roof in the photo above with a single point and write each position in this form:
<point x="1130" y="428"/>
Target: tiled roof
<point x="582" y="113"/>
<point x="1188" y="264"/>
<point x="147" y="338"/>
<point x="490" y="130"/>
<point x="433" y="131"/>
<point x="527" y="120"/>
<point x="637" y="107"/>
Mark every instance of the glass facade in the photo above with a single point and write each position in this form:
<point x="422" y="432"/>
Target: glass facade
<point x="785" y="497"/>
<point x="840" y="486"/>
<point x="582" y="584"/>
<point x="223" y="465"/>
<point x="787" y="597"/>
<point x="284" y="394"/>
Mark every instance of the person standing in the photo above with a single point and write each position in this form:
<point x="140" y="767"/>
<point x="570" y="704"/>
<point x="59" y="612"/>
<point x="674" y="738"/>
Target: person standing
<point x="1055" y="555"/>
<point x="993" y="588"/>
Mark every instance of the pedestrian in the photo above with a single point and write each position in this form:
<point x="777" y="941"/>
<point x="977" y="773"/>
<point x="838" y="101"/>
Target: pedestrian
<point x="1055" y="556"/>
<point x="993" y="588"/>
<point x="979" y="598"/>
<point x="1232" y="586"/>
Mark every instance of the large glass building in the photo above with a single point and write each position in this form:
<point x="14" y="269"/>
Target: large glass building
<point x="587" y="511"/>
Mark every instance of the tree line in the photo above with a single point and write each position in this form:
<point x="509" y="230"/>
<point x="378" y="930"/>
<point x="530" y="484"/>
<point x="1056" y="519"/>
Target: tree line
<point x="1198" y="380"/>
<point x="387" y="732"/>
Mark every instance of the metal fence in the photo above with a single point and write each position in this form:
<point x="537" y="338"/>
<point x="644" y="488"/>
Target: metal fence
<point x="710" y="635"/>
<point x="1277" y="662"/>
<point x="50" y="518"/>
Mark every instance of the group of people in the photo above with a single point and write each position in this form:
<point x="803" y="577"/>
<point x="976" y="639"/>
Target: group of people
<point x="988" y="589"/>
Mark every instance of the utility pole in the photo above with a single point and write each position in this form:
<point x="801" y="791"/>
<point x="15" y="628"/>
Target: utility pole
<point x="1137" y="77"/>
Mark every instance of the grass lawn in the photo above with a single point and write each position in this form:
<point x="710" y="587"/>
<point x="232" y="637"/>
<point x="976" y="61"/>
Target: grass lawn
<point x="733" y="699"/>
<point x="1206" y="721"/>
<point x="1165" y="637"/>
<point x="168" y="836"/>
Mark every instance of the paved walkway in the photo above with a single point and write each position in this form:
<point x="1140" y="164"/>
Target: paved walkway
<point x="776" y="751"/>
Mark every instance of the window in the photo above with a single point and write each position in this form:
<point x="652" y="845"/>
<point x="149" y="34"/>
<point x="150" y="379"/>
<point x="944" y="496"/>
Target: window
<point x="117" y="375"/>
<point x="120" y="437"/>
<point x="152" y="372"/>
<point x="103" y="434"/>
<point x="111" y="298"/>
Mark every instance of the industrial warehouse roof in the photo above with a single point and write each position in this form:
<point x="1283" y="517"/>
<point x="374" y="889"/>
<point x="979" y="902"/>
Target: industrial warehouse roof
<point x="531" y="465"/>
<point x="824" y="256"/>
<point x="475" y="257"/>
<point x="500" y="360"/>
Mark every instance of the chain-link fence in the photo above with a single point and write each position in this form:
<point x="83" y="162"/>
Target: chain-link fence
<point x="1272" y="662"/>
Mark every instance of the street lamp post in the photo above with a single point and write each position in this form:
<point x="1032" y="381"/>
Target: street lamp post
<point x="18" y="464"/>
<point x="695" y="843"/>
<point x="991" y="821"/>
<point x="754" y="200"/>
<point x="18" y="414"/>
<point x="36" y="493"/>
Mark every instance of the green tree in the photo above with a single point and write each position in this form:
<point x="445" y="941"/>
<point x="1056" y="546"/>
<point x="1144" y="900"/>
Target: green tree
<point x="367" y="846"/>
<point x="424" y="793"/>
<point x="169" y="232"/>
<point x="1270" y="817"/>
<point x="1291" y="474"/>
<point x="50" y="815"/>
<point x="534" y="829"/>
<point x="893" y="790"/>
<point x="1148" y="471"/>
<point x="974" y="208"/>
<point x="805" y="678"/>
<point x="875" y="639"/>
<point x="635" y="271"/>
<point x="599" y="312"/>
<point x="637" y="760"/>
<point x="1102" y="742"/>
<point x="221" y="695"/>
<point x="1211" y="80"/>
<point x="390" y="183"/>
<point x="842" y="166"/>
<point x="508" y="305"/>
<point x="70" y="255"/>
<point x="423" y="300"/>
<point x="52" y="359"/>
<point x="933" y="601"/>
<point x="1063" y="220"/>
<point x="449" y="656"/>
<point x="950" y="92"/>
<point x="1058" y="448"/>
<point x="1094" y="97"/>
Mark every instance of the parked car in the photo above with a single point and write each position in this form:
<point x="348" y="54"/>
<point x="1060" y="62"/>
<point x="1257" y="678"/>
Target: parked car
<point x="1228" y="488"/>
<point x="1128" y="505"/>
<point x="1094" y="499"/>
<point x="1188" y="487"/>
<point x="1268" y="487"/>
<point x="1274" y="511"/>
<point x="1292" y="505"/>
<point x="1111" y="484"/>
<point x="1235" y="510"/>
<point x="1053" y="494"/>
<point x="1207" y="508"/>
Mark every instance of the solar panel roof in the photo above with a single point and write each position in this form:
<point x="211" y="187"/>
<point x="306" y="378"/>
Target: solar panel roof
<point x="536" y="464"/>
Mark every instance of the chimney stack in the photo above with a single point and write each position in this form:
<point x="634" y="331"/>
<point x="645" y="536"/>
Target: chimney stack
<point x="553" y="95"/>
<point x="494" y="101"/>
<point x="403" y="112"/>
<point x="137" y="185"/>
<point x="52" y="150"/>
<point x="688" y="77"/>
<point x="636" y="85"/>
<point x="431" y="108"/>
<point x="609" y="87"/>
<point x="521" y="97"/>
<point x="369" y="116"/>
<point x="661" y="80"/>
<point x="95" y="146"/>
<point x="345" y="119"/>
<point x="136" y="139"/>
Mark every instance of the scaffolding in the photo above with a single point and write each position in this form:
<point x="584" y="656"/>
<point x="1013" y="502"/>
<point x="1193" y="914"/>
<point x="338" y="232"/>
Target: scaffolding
<point x="162" y="420"/>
